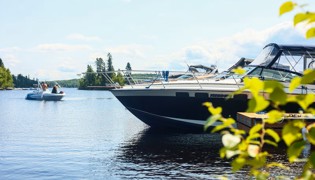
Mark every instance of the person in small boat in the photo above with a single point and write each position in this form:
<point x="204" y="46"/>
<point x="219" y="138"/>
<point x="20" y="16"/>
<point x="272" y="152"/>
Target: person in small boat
<point x="44" y="86"/>
<point x="55" y="89"/>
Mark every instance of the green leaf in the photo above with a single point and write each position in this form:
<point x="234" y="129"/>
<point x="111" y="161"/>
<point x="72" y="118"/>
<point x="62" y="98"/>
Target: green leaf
<point x="308" y="76"/>
<point x="278" y="96"/>
<point x="255" y="129"/>
<point x="271" y="143"/>
<point x="299" y="17"/>
<point x="215" y="111"/>
<point x="222" y="152"/>
<point x="307" y="174"/>
<point x="305" y="100"/>
<point x="292" y="131"/>
<point x="211" y="120"/>
<point x="257" y="103"/>
<point x="211" y="109"/>
<point x="286" y="7"/>
<point x="219" y="128"/>
<point x="269" y="86"/>
<point x="274" y="116"/>
<point x="238" y="163"/>
<point x="229" y="121"/>
<point x="311" y="18"/>
<point x="312" y="159"/>
<point x="295" y="150"/>
<point x="310" y="33"/>
<point x="254" y="142"/>
<point x="311" y="135"/>
<point x="273" y="134"/>
<point x="239" y="70"/>
<point x="207" y="104"/>
<point x="276" y="164"/>
<point x="295" y="82"/>
<point x="238" y="131"/>
<point x="253" y="136"/>
<point x="254" y="84"/>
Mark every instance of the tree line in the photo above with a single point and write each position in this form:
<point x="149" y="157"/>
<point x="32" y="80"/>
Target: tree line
<point x="9" y="81"/>
<point x="6" y="80"/>
<point x="91" y="77"/>
<point x="98" y="78"/>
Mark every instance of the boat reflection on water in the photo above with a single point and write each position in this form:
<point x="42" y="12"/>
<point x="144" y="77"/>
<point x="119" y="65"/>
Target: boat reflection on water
<point x="156" y="154"/>
<point x="153" y="154"/>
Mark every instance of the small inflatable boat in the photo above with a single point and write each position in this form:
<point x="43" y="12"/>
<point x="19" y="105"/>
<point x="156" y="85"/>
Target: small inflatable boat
<point x="45" y="95"/>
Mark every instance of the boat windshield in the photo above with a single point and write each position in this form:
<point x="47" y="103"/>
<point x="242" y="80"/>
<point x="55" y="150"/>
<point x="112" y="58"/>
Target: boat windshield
<point x="266" y="56"/>
<point x="247" y="69"/>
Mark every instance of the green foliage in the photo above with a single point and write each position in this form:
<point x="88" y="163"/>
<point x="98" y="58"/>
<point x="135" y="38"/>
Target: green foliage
<point x="246" y="149"/>
<point x="304" y="16"/>
<point x="21" y="81"/>
<point x="71" y="83"/>
<point x="92" y="78"/>
<point x="128" y="67"/>
<point x="286" y="7"/>
<point x="100" y="69"/>
<point x="6" y="79"/>
<point x="1" y="63"/>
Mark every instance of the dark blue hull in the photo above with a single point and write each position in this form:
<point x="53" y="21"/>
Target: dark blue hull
<point x="176" y="112"/>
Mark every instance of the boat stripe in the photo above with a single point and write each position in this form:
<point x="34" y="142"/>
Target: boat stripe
<point x="191" y="121"/>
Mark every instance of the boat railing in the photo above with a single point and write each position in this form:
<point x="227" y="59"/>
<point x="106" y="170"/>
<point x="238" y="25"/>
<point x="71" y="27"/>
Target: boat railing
<point x="149" y="78"/>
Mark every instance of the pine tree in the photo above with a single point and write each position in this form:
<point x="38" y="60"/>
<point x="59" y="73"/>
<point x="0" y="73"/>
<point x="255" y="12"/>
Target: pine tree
<point x="1" y="63"/>
<point x="128" y="67"/>
<point x="110" y="66"/>
<point x="100" y="69"/>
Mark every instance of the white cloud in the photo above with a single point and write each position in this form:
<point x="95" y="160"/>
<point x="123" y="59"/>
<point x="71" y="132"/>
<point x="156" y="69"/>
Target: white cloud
<point x="10" y="60"/>
<point x="226" y="51"/>
<point x="61" y="47"/>
<point x="132" y="50"/>
<point x="9" y="49"/>
<point x="81" y="37"/>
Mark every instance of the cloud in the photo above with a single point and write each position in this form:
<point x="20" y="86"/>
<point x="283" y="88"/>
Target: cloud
<point x="132" y="50"/>
<point x="67" y="69"/>
<point x="81" y="37"/>
<point x="226" y="51"/>
<point x="10" y="49"/>
<point x="61" y="47"/>
<point x="10" y="60"/>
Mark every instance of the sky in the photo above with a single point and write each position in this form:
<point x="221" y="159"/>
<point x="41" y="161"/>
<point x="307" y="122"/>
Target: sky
<point x="56" y="40"/>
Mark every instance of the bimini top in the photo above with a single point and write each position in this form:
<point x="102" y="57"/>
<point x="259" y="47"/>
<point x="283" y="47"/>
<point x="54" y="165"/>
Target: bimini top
<point x="292" y="47"/>
<point x="285" y="55"/>
<point x="282" y="62"/>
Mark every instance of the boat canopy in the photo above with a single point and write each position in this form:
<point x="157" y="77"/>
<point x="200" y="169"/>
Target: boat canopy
<point x="293" y="58"/>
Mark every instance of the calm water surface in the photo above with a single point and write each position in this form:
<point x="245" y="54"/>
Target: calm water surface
<point x="90" y="135"/>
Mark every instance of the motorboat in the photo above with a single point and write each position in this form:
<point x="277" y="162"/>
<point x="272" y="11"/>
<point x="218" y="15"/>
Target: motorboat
<point x="41" y="94"/>
<point x="178" y="104"/>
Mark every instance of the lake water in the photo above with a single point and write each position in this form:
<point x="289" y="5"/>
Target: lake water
<point x="90" y="135"/>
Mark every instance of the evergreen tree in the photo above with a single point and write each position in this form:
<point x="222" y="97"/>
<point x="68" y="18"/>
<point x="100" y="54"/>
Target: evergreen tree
<point x="21" y="81"/>
<point x="6" y="79"/>
<point x="119" y="79"/>
<point x="110" y="66"/>
<point x="128" y="78"/>
<point x="89" y="78"/>
<point x="128" y="67"/>
<point x="100" y="69"/>
<point x="1" y="63"/>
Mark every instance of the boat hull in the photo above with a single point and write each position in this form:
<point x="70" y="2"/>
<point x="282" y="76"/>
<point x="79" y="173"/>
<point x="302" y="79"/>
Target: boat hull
<point x="175" y="109"/>
<point x="44" y="96"/>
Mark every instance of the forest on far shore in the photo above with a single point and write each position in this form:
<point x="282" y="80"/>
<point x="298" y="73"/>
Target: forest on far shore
<point x="90" y="78"/>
